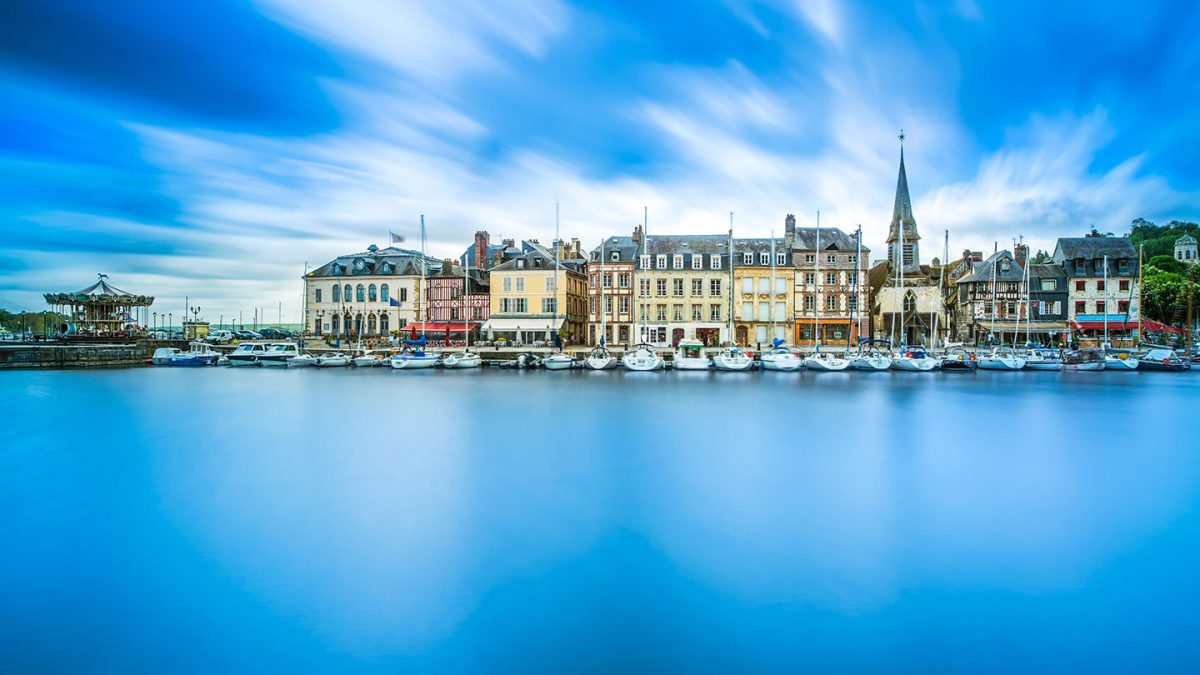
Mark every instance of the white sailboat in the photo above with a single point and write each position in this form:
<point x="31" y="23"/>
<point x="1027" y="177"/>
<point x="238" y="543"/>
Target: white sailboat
<point x="1000" y="357"/>
<point x="778" y="357"/>
<point x="600" y="358"/>
<point x="821" y="360"/>
<point x="867" y="356"/>
<point x="333" y="360"/>
<point x="731" y="358"/>
<point x="1114" y="359"/>
<point x="414" y="357"/>
<point x="466" y="358"/>
<point x="559" y="359"/>
<point x="642" y="356"/>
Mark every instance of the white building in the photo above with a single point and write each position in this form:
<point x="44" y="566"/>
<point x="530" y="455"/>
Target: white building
<point x="372" y="293"/>
<point x="1185" y="249"/>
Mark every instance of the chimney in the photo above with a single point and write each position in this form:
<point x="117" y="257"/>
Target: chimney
<point x="1022" y="253"/>
<point x="447" y="267"/>
<point x="789" y="226"/>
<point x="576" y="251"/>
<point x="499" y="258"/>
<point x="637" y="234"/>
<point x="481" y="248"/>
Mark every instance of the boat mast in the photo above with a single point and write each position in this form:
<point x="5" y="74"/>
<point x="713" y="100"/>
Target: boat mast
<point x="421" y="289"/>
<point x="855" y="315"/>
<point x="1141" y="249"/>
<point x="771" y="307"/>
<point x="995" y="262"/>
<point x="463" y="303"/>
<point x="941" y="286"/>
<point x="1106" y="301"/>
<point x="649" y="271"/>
<point x="602" y="313"/>
<point x="817" y="289"/>
<point x="903" y="298"/>
<point x="732" y="341"/>
<point x="557" y="254"/>
<point x="1028" y="302"/>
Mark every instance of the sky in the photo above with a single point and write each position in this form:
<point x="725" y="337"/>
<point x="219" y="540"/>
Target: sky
<point x="213" y="149"/>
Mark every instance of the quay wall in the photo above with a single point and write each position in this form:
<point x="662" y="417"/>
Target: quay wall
<point x="66" y="355"/>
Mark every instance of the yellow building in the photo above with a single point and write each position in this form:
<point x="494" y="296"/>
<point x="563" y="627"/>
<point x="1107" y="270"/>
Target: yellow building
<point x="683" y="290"/>
<point x="762" y="292"/>
<point x="531" y="301"/>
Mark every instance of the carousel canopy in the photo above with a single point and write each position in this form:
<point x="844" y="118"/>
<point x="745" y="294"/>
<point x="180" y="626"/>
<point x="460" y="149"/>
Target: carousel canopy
<point x="100" y="292"/>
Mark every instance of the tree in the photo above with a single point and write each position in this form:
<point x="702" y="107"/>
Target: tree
<point x="1042" y="258"/>
<point x="1163" y="295"/>
<point x="1168" y="263"/>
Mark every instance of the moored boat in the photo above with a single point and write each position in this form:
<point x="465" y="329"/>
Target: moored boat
<point x="1044" y="359"/>
<point x="369" y="360"/>
<point x="302" y="360"/>
<point x="1001" y="358"/>
<point x="462" y="360"/>
<point x="559" y="360"/>
<point x="780" y="358"/>
<point x="642" y="357"/>
<point x="689" y="355"/>
<point x="914" y="359"/>
<point x="246" y="354"/>
<point x="1083" y="360"/>
<point x="600" y="359"/>
<point x="333" y="360"/>
<point x="1120" y="360"/>
<point x="957" y="360"/>
<point x="732" y="359"/>
<point x="868" y="357"/>
<point x="1162" y="358"/>
<point x="824" y="361"/>
<point x="278" y="355"/>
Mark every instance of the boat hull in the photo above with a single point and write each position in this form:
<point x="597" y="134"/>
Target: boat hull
<point x="553" y="363"/>
<point x="242" y="361"/>
<point x="273" y="362"/>
<point x="732" y="364"/>
<point x="367" y="362"/>
<point x="873" y="364"/>
<point x="914" y="365"/>
<point x="298" y="362"/>
<point x="827" y="365"/>
<point x="1124" y="365"/>
<point x="780" y="363"/>
<point x="989" y="363"/>
<point x="1093" y="367"/>
<point x="1044" y="366"/>
<point x="332" y="362"/>
<point x="600" y="362"/>
<point x="413" y="362"/>
<point x="690" y="363"/>
<point x="462" y="361"/>
<point x="642" y="361"/>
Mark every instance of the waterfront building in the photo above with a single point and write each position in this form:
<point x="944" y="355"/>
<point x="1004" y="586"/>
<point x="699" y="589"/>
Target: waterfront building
<point x="763" y="302"/>
<point x="612" y="264"/>
<point x="484" y="255"/>
<point x="101" y="310"/>
<point x="1094" y="298"/>
<point x="995" y="305"/>
<point x="530" y="301"/>
<point x="904" y="312"/>
<point x="683" y="290"/>
<point x="451" y="308"/>
<point x="830" y="290"/>
<point x="1185" y="249"/>
<point x="373" y="293"/>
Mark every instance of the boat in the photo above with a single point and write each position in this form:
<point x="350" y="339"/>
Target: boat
<point x="278" y="355"/>
<point x="1001" y="358"/>
<point x="302" y="360"/>
<point x="825" y="361"/>
<point x="600" y="358"/>
<point x="869" y="357"/>
<point x="958" y="360"/>
<point x="689" y="355"/>
<point x="1162" y="358"/>
<point x="1044" y="359"/>
<point x="369" y="360"/>
<point x="1083" y="360"/>
<point x="642" y="357"/>
<point x="732" y="359"/>
<point x="559" y="360"/>
<point x="523" y="360"/>
<point x="780" y="358"/>
<point x="466" y="358"/>
<point x="162" y="356"/>
<point x="914" y="359"/>
<point x="413" y="356"/>
<point x="247" y="354"/>
<point x="1121" y="360"/>
<point x="333" y="360"/>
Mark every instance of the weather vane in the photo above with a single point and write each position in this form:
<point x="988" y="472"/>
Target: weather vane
<point x="901" y="137"/>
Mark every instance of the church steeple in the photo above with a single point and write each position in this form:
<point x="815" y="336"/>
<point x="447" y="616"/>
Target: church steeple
<point x="904" y="225"/>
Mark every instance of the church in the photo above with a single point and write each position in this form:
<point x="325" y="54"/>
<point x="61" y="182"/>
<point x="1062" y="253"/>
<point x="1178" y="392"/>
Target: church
<point x="906" y="303"/>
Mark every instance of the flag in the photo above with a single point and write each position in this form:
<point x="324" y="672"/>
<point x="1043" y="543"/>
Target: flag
<point x="396" y="238"/>
<point x="393" y="302"/>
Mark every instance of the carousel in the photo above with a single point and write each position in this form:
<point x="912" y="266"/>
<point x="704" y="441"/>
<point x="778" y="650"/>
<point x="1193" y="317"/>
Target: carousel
<point x="100" y="310"/>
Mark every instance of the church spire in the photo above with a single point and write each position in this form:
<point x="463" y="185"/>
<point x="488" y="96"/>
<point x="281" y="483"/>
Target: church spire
<point x="902" y="212"/>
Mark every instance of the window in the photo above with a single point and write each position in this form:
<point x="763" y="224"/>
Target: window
<point x="780" y="259"/>
<point x="384" y="293"/>
<point x="852" y="278"/>
<point x="1080" y="286"/>
<point x="852" y="303"/>
<point x="371" y="293"/>
<point x="810" y="258"/>
<point x="764" y="285"/>
<point x="1123" y="306"/>
<point x="383" y="323"/>
<point x="714" y="262"/>
<point x="641" y="312"/>
<point x="910" y="302"/>
<point x="1010" y="309"/>
<point x="1079" y="308"/>
<point x="697" y="313"/>
<point x="780" y="309"/>
<point x="317" y="292"/>
<point x="1041" y="308"/>
<point x="1048" y="285"/>
<point x="852" y="258"/>
<point x="551" y="284"/>
<point x="520" y="284"/>
<point x="1080" y="267"/>
<point x="831" y="278"/>
<point x="608" y="279"/>
<point x="592" y="304"/>
<point x="747" y="258"/>
<point x="677" y="312"/>
<point x="810" y="278"/>
<point x="697" y="261"/>
<point x="780" y="285"/>
<point x="1123" y="284"/>
<point x="677" y="287"/>
<point x="1100" y="285"/>
<point x="660" y="261"/>
<point x="549" y="305"/>
<point x="714" y="312"/>
<point x="1100" y="307"/>
<point x="337" y="293"/>
<point x="809" y="303"/>
<point x="371" y="324"/>
<point x="644" y="261"/>
<point x="1057" y="309"/>
<point x="677" y="262"/>
<point x="660" y="286"/>
<point x="764" y="258"/>
<point x="831" y="259"/>
<point x="615" y="256"/>
<point x="507" y="284"/>
<point x="608" y="305"/>
<point x="660" y="313"/>
<point x="831" y="303"/>
<point x="764" y="311"/>
<point x="697" y="287"/>
<point x="333" y="324"/>
<point x="521" y="305"/>
<point x="520" y="264"/>
<point x="714" y="287"/>
<point x="403" y="294"/>
<point x="623" y="304"/>
<point x="645" y="287"/>
<point x="747" y="285"/>
<point x="360" y="293"/>
<point x="623" y="279"/>
<point x="346" y="293"/>
<point x="747" y="311"/>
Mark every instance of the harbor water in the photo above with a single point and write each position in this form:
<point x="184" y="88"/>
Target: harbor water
<point x="259" y="520"/>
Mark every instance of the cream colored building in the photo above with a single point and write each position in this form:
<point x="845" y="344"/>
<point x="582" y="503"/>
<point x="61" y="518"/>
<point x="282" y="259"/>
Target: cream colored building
<point x="683" y="290"/>
<point x="763" y="302"/>
<point x="531" y="301"/>
<point x="372" y="293"/>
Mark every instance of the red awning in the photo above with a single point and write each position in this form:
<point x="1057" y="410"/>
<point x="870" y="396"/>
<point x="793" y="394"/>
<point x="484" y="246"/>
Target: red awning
<point x="1099" y="325"/>
<point x="437" y="327"/>
<point x="1147" y="324"/>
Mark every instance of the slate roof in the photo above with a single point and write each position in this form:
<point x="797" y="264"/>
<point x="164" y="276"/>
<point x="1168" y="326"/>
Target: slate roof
<point x="831" y="237"/>
<point x="902" y="212"/>
<point x="1185" y="240"/>
<point x="982" y="271"/>
<point x="1093" y="247"/>
<point x="626" y="248"/>
<point x="1046" y="271"/>
<point x="390" y="261"/>
<point x="540" y="258"/>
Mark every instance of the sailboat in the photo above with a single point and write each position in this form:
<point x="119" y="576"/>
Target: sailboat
<point x="466" y="358"/>
<point x="820" y="360"/>
<point x="913" y="359"/>
<point x="642" y="356"/>
<point x="731" y="358"/>
<point x="1115" y="359"/>
<point x="558" y="359"/>
<point x="413" y="356"/>
<point x="869" y="357"/>
<point x="778" y="357"/>
<point x="1001" y="357"/>
<point x="600" y="358"/>
<point x="1039" y="359"/>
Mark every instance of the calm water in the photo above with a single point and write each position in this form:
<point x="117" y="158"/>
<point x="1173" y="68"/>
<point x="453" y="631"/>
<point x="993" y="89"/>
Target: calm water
<point x="156" y="520"/>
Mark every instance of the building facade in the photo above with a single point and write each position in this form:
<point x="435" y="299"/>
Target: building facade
<point x="450" y="308"/>
<point x="1185" y="249"/>
<point x="683" y="290"/>
<point x="531" y="301"/>
<point x="1102" y="284"/>
<point x="371" y="293"/>
<point x="763" y="280"/>
<point x="611" y="268"/>
<point x="830" y="291"/>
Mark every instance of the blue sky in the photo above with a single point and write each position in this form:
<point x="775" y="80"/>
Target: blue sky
<point x="212" y="148"/>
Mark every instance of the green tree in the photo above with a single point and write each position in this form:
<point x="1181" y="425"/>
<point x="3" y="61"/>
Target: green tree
<point x="1042" y="258"/>
<point x="1168" y="263"/>
<point x="1163" y="295"/>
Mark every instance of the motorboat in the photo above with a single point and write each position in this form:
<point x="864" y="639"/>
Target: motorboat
<point x="369" y="360"/>
<point x="523" y="360"/>
<point x="333" y="360"/>
<point x="1001" y="358"/>
<point x="915" y="359"/>
<point x="1162" y="358"/>
<point x="824" y="361"/>
<point x="600" y="359"/>
<point x="246" y="354"/>
<point x="199" y="354"/>
<point x="1084" y="360"/>
<point x="462" y="360"/>
<point x="413" y="359"/>
<point x="780" y="358"/>
<point x="162" y="356"/>
<point x="302" y="360"/>
<point x="869" y="358"/>
<point x="958" y="360"/>
<point x="278" y="355"/>
<point x="1119" y="359"/>
<point x="1044" y="359"/>
<point x="642" y="357"/>
<point x="732" y="359"/>
<point x="689" y="355"/>
<point x="559" y="360"/>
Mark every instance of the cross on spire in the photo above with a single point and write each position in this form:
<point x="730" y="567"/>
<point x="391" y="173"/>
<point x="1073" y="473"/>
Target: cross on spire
<point x="902" y="137"/>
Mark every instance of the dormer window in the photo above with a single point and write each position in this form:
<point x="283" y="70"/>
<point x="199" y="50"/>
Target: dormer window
<point x="715" y="262"/>
<point x="697" y="262"/>
<point x="1004" y="266"/>
<point x="747" y="258"/>
<point x="520" y="264"/>
<point x="615" y="256"/>
<point x="677" y="261"/>
<point x="764" y="258"/>
<point x="660" y="261"/>
<point x="644" y="261"/>
<point x="595" y="256"/>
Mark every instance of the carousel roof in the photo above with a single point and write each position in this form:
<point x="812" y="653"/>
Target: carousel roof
<point x="101" y="291"/>
<point x="101" y="287"/>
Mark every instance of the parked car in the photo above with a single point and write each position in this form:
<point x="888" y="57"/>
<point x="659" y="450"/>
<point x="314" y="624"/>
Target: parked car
<point x="246" y="335"/>
<point x="276" y="333"/>
<point x="220" y="337"/>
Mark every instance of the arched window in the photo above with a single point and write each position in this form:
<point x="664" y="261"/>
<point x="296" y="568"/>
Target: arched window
<point x="910" y="302"/>
<point x="346" y="293"/>
<point x="337" y="293"/>
<point x="360" y="293"/>
<point x="371" y="323"/>
<point x="334" y="323"/>
<point x="383" y="293"/>
<point x="347" y="325"/>
<point x="371" y="293"/>
<point x="383" y="321"/>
